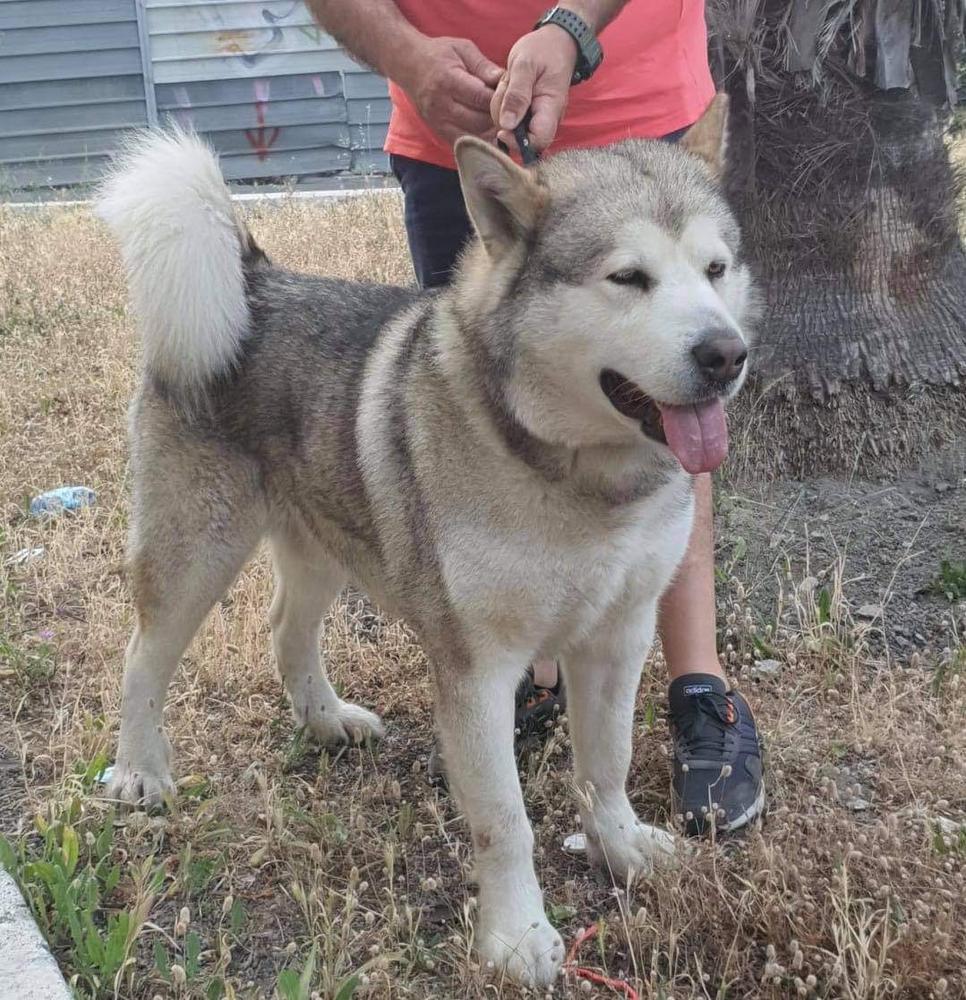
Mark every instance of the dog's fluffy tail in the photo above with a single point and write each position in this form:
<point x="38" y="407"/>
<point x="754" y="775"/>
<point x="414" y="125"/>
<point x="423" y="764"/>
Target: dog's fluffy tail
<point x="183" y="248"/>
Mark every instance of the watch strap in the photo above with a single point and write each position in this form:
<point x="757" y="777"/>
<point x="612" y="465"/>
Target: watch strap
<point x="589" y="53"/>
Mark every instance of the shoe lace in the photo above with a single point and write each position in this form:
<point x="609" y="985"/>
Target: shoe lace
<point x="705" y="731"/>
<point x="525" y="690"/>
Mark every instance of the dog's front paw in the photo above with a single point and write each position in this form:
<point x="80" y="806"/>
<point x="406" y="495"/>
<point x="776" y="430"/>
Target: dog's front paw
<point x="530" y="952"/>
<point x="630" y="848"/>
<point x="344" y="723"/>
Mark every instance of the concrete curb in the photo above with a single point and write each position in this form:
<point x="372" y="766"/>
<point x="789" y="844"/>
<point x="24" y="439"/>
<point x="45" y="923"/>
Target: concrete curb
<point x="27" y="968"/>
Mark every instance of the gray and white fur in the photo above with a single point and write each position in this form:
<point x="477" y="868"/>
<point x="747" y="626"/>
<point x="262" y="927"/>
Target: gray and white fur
<point x="452" y="454"/>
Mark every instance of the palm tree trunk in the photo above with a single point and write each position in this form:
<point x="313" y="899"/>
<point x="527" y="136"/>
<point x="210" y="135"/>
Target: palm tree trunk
<point x="850" y="210"/>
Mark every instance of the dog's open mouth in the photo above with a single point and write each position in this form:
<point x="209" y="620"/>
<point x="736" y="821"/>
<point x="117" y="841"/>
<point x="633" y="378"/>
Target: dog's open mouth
<point x="629" y="398"/>
<point x="696" y="433"/>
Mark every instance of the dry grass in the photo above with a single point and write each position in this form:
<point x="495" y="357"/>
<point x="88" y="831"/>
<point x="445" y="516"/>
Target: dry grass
<point x="275" y="847"/>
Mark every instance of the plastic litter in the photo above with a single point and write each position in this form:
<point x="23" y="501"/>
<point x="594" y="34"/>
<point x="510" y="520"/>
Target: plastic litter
<point x="24" y="556"/>
<point x="105" y="776"/>
<point x="64" y="499"/>
<point x="575" y="843"/>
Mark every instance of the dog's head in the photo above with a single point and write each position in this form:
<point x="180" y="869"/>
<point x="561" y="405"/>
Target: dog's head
<point x="608" y="287"/>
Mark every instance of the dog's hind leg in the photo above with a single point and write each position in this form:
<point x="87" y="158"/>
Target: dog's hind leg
<point x="304" y="590"/>
<point x="602" y="676"/>
<point x="198" y="516"/>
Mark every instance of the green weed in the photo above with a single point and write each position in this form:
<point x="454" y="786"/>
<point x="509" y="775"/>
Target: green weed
<point x="69" y="878"/>
<point x="294" y="985"/>
<point x="951" y="582"/>
<point x="30" y="664"/>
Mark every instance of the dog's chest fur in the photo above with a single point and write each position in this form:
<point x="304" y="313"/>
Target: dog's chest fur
<point x="536" y="572"/>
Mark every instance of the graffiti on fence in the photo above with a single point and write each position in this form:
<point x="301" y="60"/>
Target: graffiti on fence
<point x="261" y="139"/>
<point x="252" y="46"/>
<point x="242" y="42"/>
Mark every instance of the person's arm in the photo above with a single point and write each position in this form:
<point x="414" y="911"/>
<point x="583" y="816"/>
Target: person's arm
<point x="374" y="31"/>
<point x="539" y="70"/>
<point x="448" y="79"/>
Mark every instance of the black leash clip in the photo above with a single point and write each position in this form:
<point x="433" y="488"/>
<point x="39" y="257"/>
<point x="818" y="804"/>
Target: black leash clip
<point x="522" y="135"/>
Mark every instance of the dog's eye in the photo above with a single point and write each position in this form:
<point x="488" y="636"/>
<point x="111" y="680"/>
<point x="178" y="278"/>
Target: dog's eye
<point x="633" y="277"/>
<point x="716" y="269"/>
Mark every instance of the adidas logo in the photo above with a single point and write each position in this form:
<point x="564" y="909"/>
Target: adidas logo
<point x="693" y="689"/>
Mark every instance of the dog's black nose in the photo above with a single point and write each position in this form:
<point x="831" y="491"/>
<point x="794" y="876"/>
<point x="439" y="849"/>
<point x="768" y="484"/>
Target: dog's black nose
<point x="721" y="355"/>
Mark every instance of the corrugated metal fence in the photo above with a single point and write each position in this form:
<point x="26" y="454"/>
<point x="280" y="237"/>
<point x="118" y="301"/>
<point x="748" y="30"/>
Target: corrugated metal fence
<point x="275" y="95"/>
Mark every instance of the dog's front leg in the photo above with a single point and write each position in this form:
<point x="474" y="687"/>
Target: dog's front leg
<point x="474" y="713"/>
<point x="602" y="676"/>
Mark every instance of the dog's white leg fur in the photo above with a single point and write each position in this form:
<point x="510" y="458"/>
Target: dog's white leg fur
<point x="602" y="676"/>
<point x="142" y="771"/>
<point x="474" y="713"/>
<point x="166" y="624"/>
<point x="304" y="590"/>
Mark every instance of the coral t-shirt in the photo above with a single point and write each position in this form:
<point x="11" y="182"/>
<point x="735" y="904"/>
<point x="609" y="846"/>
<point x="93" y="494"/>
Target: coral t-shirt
<point x="654" y="78"/>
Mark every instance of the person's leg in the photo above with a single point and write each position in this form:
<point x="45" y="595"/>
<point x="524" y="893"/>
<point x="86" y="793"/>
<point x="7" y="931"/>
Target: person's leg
<point x="717" y="774"/>
<point x="437" y="226"/>
<point x="686" y="619"/>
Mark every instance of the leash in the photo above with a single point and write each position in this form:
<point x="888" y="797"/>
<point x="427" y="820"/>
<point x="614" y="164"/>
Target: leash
<point x="621" y="986"/>
<point x="522" y="135"/>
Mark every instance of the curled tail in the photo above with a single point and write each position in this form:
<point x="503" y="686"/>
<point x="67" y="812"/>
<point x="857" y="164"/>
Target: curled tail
<point x="183" y="248"/>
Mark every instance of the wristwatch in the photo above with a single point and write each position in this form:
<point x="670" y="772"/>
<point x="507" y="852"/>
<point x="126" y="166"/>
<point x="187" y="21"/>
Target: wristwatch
<point x="589" y="53"/>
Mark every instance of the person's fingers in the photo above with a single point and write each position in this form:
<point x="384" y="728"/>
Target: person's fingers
<point x="508" y="139"/>
<point x="496" y="101"/>
<point x="478" y="64"/>
<point x="547" y="113"/>
<point x="521" y="76"/>
<point x="466" y="121"/>
<point x="469" y="90"/>
<point x="548" y="109"/>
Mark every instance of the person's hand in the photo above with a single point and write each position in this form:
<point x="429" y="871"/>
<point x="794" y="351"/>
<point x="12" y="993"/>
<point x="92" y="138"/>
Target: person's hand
<point x="451" y="83"/>
<point x="538" y="73"/>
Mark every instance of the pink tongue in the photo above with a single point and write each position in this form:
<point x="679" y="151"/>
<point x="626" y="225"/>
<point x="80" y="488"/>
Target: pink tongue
<point x="698" y="435"/>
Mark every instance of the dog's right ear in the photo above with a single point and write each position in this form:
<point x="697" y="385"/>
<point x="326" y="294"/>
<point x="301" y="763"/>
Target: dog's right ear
<point x="708" y="136"/>
<point x="503" y="200"/>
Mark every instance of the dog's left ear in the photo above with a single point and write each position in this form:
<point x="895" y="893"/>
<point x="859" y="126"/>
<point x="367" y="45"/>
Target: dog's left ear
<point x="503" y="200"/>
<point x="708" y="136"/>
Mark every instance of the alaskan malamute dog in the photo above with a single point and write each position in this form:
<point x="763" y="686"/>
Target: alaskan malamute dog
<point x="505" y="464"/>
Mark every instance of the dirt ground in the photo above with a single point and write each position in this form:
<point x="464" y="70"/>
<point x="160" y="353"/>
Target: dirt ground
<point x="831" y="622"/>
<point x="891" y="534"/>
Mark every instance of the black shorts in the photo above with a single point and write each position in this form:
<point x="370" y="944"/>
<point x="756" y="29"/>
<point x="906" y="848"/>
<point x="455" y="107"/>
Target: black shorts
<point x="437" y="225"/>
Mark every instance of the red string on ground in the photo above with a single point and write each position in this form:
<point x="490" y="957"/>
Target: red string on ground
<point x="621" y="986"/>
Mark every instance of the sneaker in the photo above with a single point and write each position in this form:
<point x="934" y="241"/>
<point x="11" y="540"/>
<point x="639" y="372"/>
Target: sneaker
<point x="717" y="778"/>
<point x="537" y="709"/>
